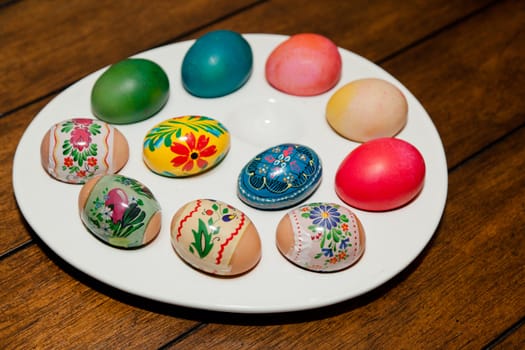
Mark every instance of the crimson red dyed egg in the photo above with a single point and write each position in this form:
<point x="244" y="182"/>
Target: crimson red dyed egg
<point x="304" y="65"/>
<point x="380" y="175"/>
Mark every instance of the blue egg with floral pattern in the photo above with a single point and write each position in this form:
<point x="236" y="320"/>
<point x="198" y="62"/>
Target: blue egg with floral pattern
<point x="280" y="177"/>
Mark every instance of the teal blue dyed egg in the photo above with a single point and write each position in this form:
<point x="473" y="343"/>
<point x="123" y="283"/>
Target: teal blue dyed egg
<point x="217" y="64"/>
<point x="280" y="177"/>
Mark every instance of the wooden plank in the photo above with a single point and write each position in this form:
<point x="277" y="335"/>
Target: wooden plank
<point x="12" y="225"/>
<point x="42" y="53"/>
<point x="44" y="307"/>
<point x="373" y="29"/>
<point x="464" y="290"/>
<point x="514" y="339"/>
<point x="473" y="96"/>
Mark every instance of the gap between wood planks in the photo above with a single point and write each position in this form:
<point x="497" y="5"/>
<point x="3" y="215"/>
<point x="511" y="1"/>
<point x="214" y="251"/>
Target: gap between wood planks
<point x="180" y="337"/>
<point x="435" y="33"/>
<point x="505" y="334"/>
<point x="5" y="3"/>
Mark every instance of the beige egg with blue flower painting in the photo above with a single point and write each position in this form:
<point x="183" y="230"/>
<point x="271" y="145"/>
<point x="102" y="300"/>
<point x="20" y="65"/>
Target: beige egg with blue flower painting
<point x="185" y="146"/>
<point x="321" y="237"/>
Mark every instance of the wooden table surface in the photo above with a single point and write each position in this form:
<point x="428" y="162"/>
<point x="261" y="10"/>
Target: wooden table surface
<point x="465" y="62"/>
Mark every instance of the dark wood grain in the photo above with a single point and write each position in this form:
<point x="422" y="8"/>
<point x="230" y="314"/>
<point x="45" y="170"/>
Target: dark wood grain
<point x="390" y="26"/>
<point x="43" y="307"/>
<point x="472" y="97"/>
<point x="462" y="60"/>
<point x="514" y="338"/>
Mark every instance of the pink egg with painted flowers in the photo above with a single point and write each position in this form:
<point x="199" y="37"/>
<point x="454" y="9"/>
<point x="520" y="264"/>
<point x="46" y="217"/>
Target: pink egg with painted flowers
<point x="304" y="65"/>
<point x="379" y="175"/>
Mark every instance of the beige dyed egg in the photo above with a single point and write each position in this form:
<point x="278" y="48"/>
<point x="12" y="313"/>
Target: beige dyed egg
<point x="77" y="149"/>
<point x="215" y="237"/>
<point x="321" y="237"/>
<point x="367" y="109"/>
<point x="120" y="211"/>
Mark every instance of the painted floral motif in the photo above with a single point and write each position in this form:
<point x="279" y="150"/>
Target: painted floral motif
<point x="119" y="207"/>
<point x="281" y="168"/>
<point x="185" y="146"/>
<point x="171" y="129"/>
<point x="326" y="228"/>
<point x="116" y="214"/>
<point x="207" y="232"/>
<point x="79" y="152"/>
<point x="327" y="237"/>
<point x="134" y="185"/>
<point x="325" y="216"/>
<point x="193" y="152"/>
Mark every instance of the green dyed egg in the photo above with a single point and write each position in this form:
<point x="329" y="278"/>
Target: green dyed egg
<point x="130" y="91"/>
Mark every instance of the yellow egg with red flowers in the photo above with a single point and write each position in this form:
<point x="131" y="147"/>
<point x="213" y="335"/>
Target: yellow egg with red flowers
<point x="185" y="146"/>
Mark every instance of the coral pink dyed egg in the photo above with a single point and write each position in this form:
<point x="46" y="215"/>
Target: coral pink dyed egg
<point x="304" y="65"/>
<point x="381" y="174"/>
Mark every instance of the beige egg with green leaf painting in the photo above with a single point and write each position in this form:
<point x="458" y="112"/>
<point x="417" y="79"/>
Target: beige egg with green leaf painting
<point x="216" y="238"/>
